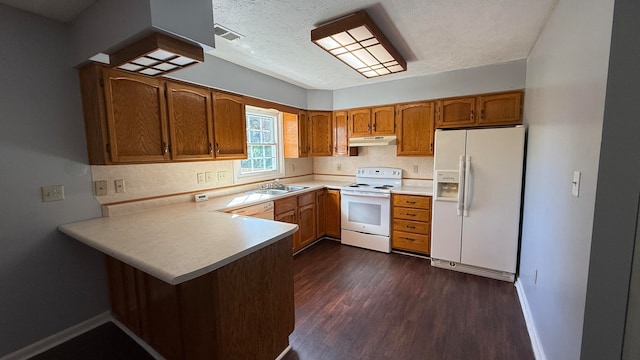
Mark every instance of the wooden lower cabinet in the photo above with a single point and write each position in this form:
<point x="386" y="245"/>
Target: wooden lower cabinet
<point x="332" y="213"/>
<point x="306" y="219"/>
<point x="321" y="210"/>
<point x="243" y="310"/>
<point x="411" y="223"/>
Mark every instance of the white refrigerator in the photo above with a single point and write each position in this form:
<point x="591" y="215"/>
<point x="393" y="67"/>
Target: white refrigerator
<point x="477" y="200"/>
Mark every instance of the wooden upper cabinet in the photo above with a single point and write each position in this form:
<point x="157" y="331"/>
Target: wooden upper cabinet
<point x="290" y="135"/>
<point x="457" y="112"/>
<point x="320" y="133"/>
<point x="341" y="135"/>
<point x="303" y="133"/>
<point x="229" y="126"/>
<point x="500" y="109"/>
<point x="136" y="117"/>
<point x="383" y="121"/>
<point x="415" y="128"/>
<point x="359" y="122"/>
<point x="190" y="122"/>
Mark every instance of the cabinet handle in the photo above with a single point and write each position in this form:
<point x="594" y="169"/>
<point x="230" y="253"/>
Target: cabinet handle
<point x="410" y="202"/>
<point x="410" y="214"/>
<point x="471" y="115"/>
<point x="165" y="147"/>
<point x="431" y="147"/>
<point x="210" y="148"/>
<point x="369" y="127"/>
<point x="374" y="126"/>
<point x="217" y="148"/>
<point x="410" y="239"/>
<point x="410" y="226"/>
<point x="481" y="114"/>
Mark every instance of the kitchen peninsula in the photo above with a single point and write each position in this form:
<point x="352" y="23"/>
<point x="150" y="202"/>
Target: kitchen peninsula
<point x="195" y="283"/>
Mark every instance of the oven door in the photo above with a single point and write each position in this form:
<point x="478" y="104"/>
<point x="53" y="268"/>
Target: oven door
<point x="368" y="213"/>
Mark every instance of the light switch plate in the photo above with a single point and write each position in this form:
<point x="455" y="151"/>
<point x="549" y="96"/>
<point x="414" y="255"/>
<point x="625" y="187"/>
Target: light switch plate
<point x="52" y="193"/>
<point x="575" y="184"/>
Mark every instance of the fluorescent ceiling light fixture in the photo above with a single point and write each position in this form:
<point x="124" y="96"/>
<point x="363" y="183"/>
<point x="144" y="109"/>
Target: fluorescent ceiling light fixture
<point x="356" y="41"/>
<point x="157" y="54"/>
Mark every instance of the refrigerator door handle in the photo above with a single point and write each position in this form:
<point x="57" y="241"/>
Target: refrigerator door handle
<point x="467" y="186"/>
<point x="460" y="182"/>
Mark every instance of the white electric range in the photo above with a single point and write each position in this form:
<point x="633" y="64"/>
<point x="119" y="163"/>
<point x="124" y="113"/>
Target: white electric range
<point x="366" y="208"/>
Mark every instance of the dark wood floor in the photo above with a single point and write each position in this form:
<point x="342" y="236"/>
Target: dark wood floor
<point x="353" y="303"/>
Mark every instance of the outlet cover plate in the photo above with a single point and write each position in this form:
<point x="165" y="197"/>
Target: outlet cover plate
<point x="52" y="193"/>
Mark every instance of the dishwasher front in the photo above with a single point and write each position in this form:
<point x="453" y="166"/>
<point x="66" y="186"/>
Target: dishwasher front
<point x="262" y="211"/>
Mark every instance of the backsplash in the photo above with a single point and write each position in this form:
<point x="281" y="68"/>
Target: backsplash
<point x="414" y="167"/>
<point x="151" y="180"/>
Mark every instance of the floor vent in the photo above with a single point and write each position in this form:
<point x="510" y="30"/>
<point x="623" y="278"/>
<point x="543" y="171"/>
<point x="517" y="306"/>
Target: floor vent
<point x="228" y="34"/>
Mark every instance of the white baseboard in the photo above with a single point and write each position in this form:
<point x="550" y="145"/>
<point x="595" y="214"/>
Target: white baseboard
<point x="283" y="353"/>
<point x="58" y="338"/>
<point x="538" y="351"/>
<point x="156" y="355"/>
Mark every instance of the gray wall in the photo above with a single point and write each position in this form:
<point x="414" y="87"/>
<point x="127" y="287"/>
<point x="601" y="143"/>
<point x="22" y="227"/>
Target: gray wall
<point x="564" y="108"/>
<point x="484" y="79"/>
<point x="618" y="192"/>
<point x="48" y="281"/>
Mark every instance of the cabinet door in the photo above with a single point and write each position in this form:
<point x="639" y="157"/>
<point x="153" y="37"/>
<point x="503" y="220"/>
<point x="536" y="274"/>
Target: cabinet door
<point x="303" y="133"/>
<point x="290" y="135"/>
<point x="415" y="129"/>
<point x="332" y="206"/>
<point x="229" y="126"/>
<point x="321" y="228"/>
<point x="340" y="134"/>
<point x="291" y="217"/>
<point x="500" y="109"/>
<point x="383" y="121"/>
<point x="136" y="117"/>
<point x="307" y="223"/>
<point x="459" y="112"/>
<point x="320" y="136"/>
<point x="359" y="122"/>
<point x="190" y="122"/>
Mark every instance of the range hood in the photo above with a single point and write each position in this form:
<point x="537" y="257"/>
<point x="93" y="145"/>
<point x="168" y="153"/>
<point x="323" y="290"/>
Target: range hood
<point x="372" y="140"/>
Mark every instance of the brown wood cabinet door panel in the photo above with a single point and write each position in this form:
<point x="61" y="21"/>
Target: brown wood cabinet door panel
<point x="303" y="133"/>
<point x="340" y="133"/>
<point x="320" y="133"/>
<point x="383" y="120"/>
<point x="95" y="114"/>
<point x="412" y="242"/>
<point x="360" y="122"/>
<point x="286" y="204"/>
<point x="306" y="198"/>
<point x="307" y="223"/>
<point x="291" y="217"/>
<point x="291" y="137"/>
<point x="415" y="129"/>
<point x="412" y="201"/>
<point x="333" y="213"/>
<point x="321" y="209"/>
<point x="459" y="112"/>
<point x="500" y="109"/>
<point x="411" y="214"/>
<point x="417" y="227"/>
<point x="229" y="124"/>
<point x="136" y="115"/>
<point x="190" y="122"/>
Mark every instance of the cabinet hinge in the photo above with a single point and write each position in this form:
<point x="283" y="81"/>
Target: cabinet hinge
<point x="108" y="148"/>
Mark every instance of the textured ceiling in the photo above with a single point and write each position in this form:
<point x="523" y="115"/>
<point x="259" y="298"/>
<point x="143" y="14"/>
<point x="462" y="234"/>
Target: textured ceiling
<point x="433" y="35"/>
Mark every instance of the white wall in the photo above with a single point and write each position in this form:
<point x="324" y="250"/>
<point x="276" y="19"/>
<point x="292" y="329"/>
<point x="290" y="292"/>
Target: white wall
<point x="483" y="79"/>
<point x="48" y="281"/>
<point x="617" y="198"/>
<point x="564" y="107"/>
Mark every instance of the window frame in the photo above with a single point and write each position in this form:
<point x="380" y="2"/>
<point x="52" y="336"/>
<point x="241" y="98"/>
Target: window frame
<point x="280" y="166"/>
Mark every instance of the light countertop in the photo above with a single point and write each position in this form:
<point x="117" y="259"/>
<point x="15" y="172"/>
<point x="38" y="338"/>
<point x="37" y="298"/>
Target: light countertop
<point x="179" y="242"/>
<point x="413" y="190"/>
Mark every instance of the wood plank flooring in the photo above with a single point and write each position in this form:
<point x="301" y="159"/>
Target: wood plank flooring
<point x="353" y="303"/>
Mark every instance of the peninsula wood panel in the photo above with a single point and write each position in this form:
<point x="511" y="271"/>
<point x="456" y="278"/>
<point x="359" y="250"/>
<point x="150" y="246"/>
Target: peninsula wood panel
<point x="243" y="310"/>
<point x="190" y="122"/>
<point x="229" y="126"/>
<point x="136" y="117"/>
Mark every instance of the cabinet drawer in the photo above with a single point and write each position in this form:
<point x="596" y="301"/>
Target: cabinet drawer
<point x="412" y="214"/>
<point x="307" y="198"/>
<point x="286" y="204"/>
<point x="412" y="201"/>
<point x="416" y="227"/>
<point x="412" y="242"/>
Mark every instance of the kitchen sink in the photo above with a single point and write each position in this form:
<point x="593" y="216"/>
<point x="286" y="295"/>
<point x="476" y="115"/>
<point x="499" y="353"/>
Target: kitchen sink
<point x="286" y="189"/>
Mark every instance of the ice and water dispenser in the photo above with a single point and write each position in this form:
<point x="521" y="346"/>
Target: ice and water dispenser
<point x="448" y="185"/>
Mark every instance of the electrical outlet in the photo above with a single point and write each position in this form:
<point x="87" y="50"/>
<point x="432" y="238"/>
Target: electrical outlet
<point x="100" y="187"/>
<point x="575" y="184"/>
<point x="52" y="193"/>
<point x="339" y="167"/>
<point x="200" y="178"/>
<point x="415" y="168"/>
<point x="208" y="177"/>
<point x="119" y="185"/>
<point x="222" y="175"/>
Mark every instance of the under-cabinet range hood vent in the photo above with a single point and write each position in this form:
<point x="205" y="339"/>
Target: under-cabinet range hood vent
<point x="373" y="141"/>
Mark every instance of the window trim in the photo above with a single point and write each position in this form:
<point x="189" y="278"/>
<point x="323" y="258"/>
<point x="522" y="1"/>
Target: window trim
<point x="280" y="169"/>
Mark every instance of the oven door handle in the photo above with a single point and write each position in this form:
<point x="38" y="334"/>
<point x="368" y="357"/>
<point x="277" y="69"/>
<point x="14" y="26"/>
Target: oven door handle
<point x="377" y="195"/>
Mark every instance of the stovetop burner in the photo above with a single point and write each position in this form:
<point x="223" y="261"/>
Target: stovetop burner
<point x="358" y="185"/>
<point x="384" y="187"/>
